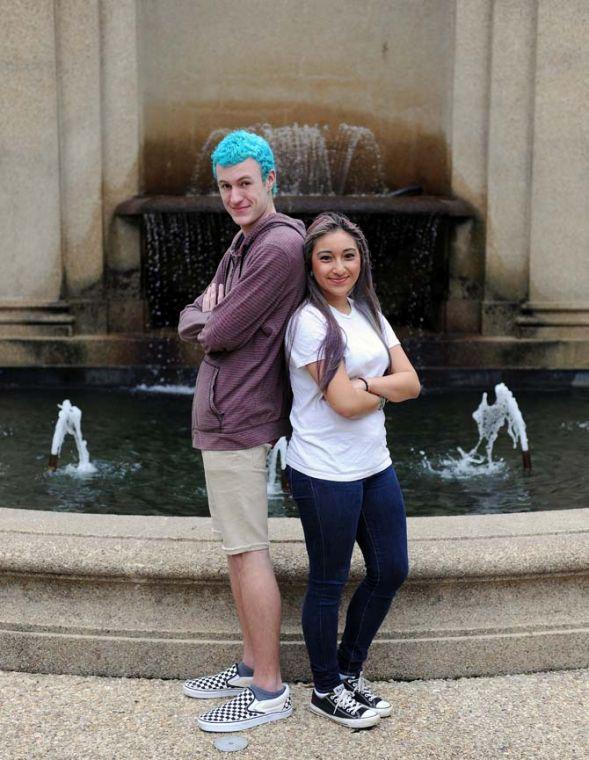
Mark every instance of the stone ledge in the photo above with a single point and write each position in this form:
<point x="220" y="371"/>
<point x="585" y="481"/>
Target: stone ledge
<point x="175" y="548"/>
<point x="149" y="596"/>
<point x="450" y="351"/>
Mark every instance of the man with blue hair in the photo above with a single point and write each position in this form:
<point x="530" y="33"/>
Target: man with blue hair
<point x="241" y="406"/>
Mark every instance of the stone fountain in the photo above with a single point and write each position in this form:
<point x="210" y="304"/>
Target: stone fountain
<point x="137" y="596"/>
<point x="317" y="169"/>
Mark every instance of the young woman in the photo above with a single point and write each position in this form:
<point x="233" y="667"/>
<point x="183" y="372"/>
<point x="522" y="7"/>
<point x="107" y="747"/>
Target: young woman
<point x="345" y="362"/>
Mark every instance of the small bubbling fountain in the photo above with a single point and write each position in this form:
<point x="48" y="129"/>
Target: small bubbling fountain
<point x="489" y="418"/>
<point x="69" y="421"/>
<point x="275" y="480"/>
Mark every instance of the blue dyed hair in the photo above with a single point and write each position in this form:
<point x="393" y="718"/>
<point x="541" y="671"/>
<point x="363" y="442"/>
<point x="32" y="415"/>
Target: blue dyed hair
<point x="240" y="145"/>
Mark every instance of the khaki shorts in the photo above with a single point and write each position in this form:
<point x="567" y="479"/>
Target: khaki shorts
<point x="238" y="501"/>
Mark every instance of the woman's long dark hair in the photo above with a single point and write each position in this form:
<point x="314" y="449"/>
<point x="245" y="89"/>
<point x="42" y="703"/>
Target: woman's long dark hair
<point x="331" y="351"/>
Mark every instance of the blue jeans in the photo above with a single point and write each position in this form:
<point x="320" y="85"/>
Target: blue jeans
<point x="334" y="516"/>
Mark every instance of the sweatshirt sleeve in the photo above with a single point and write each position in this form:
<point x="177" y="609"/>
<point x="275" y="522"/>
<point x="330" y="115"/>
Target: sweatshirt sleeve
<point x="192" y="317"/>
<point x="270" y="274"/>
<point x="192" y="320"/>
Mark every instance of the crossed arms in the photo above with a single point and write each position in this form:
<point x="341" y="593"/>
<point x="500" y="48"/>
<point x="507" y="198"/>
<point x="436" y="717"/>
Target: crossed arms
<point x="349" y="397"/>
<point x="222" y="321"/>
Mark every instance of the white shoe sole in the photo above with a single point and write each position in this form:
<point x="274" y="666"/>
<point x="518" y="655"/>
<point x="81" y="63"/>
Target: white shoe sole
<point x="211" y="693"/>
<point x="384" y="712"/>
<point x="367" y="722"/>
<point x="241" y="725"/>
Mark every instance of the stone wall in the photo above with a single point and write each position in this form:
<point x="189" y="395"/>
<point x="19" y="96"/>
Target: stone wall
<point x="484" y="99"/>
<point x="382" y="65"/>
<point x="520" y="154"/>
<point x="69" y="139"/>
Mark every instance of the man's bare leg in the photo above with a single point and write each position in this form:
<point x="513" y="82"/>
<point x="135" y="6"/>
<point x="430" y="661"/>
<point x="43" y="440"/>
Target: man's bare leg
<point x="260" y="608"/>
<point x="248" y="652"/>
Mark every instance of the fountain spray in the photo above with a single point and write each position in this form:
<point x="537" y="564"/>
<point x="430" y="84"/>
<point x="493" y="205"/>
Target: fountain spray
<point x="279" y="450"/>
<point x="490" y="418"/>
<point x="69" y="421"/>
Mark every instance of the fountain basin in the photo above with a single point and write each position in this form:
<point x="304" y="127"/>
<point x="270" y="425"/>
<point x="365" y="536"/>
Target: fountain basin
<point x="143" y="461"/>
<point x="149" y="596"/>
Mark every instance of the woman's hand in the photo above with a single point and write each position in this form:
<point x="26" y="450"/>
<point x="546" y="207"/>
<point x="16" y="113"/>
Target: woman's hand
<point x="213" y="295"/>
<point x="358" y="384"/>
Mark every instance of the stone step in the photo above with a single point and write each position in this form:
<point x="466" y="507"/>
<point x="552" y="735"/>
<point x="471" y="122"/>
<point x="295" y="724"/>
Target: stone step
<point x="35" y="320"/>
<point x="149" y="596"/>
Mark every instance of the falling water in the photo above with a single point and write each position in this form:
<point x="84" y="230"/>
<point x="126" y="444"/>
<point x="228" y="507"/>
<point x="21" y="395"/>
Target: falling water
<point x="409" y="264"/>
<point x="69" y="421"/>
<point x="309" y="160"/>
<point x="356" y="162"/>
<point x="183" y="250"/>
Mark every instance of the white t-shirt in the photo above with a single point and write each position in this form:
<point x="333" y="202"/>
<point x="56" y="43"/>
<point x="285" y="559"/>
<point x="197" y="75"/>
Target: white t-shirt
<point x="324" y="444"/>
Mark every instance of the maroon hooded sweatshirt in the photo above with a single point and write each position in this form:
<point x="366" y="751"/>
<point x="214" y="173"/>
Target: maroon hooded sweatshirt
<point x="242" y="397"/>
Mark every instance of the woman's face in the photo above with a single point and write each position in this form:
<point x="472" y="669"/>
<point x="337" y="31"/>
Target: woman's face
<point x="336" y="264"/>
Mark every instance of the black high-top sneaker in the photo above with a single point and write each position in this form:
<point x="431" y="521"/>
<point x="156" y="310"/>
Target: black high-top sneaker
<point x="339" y="705"/>
<point x="362" y="692"/>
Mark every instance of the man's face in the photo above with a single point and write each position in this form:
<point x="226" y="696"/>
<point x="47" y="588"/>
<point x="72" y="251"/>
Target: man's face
<point x="246" y="196"/>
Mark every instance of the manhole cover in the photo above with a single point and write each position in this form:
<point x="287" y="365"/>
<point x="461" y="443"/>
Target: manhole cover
<point x="230" y="743"/>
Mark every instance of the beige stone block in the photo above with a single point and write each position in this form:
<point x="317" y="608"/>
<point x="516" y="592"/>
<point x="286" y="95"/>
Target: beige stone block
<point x="30" y="242"/>
<point x="555" y="320"/>
<point x="466" y="276"/>
<point x="559" y="265"/>
<point x="126" y="315"/>
<point x="26" y="319"/>
<point x="462" y="316"/>
<point x="149" y="596"/>
<point x="78" y="69"/>
<point x="470" y="100"/>
<point x="386" y="66"/>
<point x="510" y="152"/>
<point x="499" y="317"/>
<point x="121" y="128"/>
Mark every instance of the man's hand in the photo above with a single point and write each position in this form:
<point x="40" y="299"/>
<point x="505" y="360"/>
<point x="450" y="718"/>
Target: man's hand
<point x="213" y="296"/>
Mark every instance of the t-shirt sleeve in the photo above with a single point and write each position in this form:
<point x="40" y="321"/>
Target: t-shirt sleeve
<point x="305" y="334"/>
<point x="389" y="334"/>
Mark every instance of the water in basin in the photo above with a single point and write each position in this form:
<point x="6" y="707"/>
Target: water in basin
<point x="139" y="443"/>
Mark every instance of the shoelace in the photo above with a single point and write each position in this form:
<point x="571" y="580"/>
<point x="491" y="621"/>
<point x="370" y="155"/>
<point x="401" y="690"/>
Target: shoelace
<point x="345" y="701"/>
<point x="363" y="687"/>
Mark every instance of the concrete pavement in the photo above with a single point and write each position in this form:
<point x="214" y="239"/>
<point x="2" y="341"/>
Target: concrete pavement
<point x="543" y="716"/>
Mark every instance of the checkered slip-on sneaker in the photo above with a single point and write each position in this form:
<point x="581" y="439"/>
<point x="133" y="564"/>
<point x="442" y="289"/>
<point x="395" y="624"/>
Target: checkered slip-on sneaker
<point x="227" y="683"/>
<point x="245" y="711"/>
<point x="362" y="692"/>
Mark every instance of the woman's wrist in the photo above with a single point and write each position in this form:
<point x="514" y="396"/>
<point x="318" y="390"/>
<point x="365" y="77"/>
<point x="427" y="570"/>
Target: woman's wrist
<point x="382" y="399"/>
